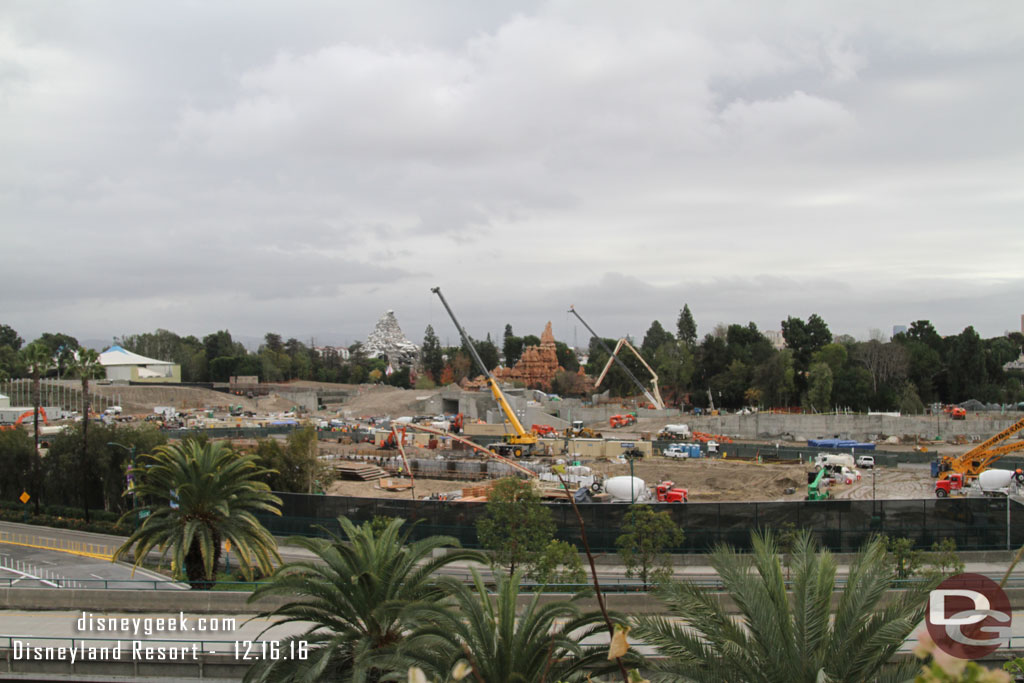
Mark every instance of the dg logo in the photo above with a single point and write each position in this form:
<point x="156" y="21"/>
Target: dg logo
<point x="969" y="616"/>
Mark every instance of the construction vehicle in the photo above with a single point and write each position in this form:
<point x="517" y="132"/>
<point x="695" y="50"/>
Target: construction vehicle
<point x="521" y="442"/>
<point x="544" y="430"/>
<point x="668" y="492"/>
<point x="578" y="431"/>
<point x="674" y="432"/>
<point x="616" y="421"/>
<point x="652" y="394"/>
<point x="816" y="485"/>
<point x="988" y="483"/>
<point x="955" y="412"/>
<point x="975" y="461"/>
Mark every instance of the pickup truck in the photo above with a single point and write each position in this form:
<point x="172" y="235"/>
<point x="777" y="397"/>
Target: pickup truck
<point x="866" y="461"/>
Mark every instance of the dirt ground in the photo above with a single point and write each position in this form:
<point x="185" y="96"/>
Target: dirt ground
<point x="424" y="487"/>
<point x="374" y="400"/>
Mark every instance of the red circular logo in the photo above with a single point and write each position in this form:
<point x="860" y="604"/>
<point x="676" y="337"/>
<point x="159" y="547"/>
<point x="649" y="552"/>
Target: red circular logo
<point x="969" y="616"/>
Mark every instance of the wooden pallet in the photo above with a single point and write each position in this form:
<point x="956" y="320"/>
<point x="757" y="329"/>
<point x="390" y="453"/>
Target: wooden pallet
<point x="356" y="471"/>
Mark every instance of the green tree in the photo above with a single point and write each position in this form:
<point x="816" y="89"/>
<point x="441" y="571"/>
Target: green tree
<point x="566" y="357"/>
<point x="647" y="536"/>
<point x="86" y="366"/>
<point x="499" y="641"/>
<point x="16" y="463"/>
<point x="776" y="378"/>
<point x="904" y="560"/>
<point x="431" y="355"/>
<point x="819" y="387"/>
<point x="62" y="349"/>
<point x="515" y="526"/>
<point x="511" y="347"/>
<point x="488" y="353"/>
<point x="787" y="637"/>
<point x="355" y="595"/>
<point x="910" y="402"/>
<point x="559" y="562"/>
<point x="966" y="363"/>
<point x="686" y="328"/>
<point x="38" y="360"/>
<point x="655" y="337"/>
<point x="198" y="496"/>
<point x="804" y="339"/>
<point x="293" y="467"/>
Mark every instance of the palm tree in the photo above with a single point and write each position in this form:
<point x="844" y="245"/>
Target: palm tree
<point x="355" y="594"/>
<point x="489" y="639"/>
<point x="781" y="637"/>
<point x="38" y="360"/>
<point x="203" y="494"/>
<point x="86" y="365"/>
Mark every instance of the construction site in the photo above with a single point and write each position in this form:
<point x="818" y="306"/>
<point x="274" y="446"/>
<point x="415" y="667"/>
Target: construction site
<point x="448" y="446"/>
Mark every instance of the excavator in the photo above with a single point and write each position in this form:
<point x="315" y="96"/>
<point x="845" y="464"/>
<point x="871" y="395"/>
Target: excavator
<point x="815" y="487"/>
<point x="521" y="442"/>
<point x="955" y="472"/>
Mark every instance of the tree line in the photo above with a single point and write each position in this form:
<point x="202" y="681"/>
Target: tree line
<point x="733" y="366"/>
<point x="737" y="366"/>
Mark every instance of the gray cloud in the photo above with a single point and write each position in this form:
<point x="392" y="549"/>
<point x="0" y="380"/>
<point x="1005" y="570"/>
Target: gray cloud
<point x="303" y="169"/>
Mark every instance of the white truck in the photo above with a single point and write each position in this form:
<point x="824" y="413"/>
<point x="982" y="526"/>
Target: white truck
<point x="834" y="460"/>
<point x="675" y="432"/>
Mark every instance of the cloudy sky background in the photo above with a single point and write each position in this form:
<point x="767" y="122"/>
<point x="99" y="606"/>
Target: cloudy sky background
<point x="302" y="167"/>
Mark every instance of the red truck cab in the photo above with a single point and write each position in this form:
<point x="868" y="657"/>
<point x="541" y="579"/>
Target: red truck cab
<point x="668" y="492"/>
<point x="954" y="483"/>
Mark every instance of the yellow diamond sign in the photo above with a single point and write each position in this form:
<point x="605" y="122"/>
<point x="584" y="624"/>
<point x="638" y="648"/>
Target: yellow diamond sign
<point x="24" y="498"/>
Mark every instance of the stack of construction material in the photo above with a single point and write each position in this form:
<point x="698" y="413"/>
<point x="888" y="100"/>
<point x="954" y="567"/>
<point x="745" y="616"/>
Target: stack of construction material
<point x="358" y="471"/>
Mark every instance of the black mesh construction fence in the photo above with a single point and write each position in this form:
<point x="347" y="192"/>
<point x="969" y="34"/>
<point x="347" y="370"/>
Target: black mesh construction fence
<point x="840" y="525"/>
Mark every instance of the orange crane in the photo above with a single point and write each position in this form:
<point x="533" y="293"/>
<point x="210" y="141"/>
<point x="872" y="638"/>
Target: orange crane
<point x="981" y="457"/>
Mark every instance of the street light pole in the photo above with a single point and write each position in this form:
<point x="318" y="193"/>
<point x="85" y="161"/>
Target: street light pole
<point x="632" y="483"/>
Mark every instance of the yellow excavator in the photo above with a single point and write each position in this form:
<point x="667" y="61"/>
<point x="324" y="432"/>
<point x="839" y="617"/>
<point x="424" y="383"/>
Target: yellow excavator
<point x="961" y="469"/>
<point x="521" y="442"/>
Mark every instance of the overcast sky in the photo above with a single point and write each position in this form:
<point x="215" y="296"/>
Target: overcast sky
<point x="303" y="167"/>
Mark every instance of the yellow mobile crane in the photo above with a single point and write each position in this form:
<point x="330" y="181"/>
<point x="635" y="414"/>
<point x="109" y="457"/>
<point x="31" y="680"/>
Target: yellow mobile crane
<point x="955" y="472"/>
<point x="521" y="442"/>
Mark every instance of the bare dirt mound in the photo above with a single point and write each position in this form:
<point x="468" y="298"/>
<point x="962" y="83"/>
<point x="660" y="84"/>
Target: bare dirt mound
<point x="379" y="399"/>
<point x="139" y="399"/>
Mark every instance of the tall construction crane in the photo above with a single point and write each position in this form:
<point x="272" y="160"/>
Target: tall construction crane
<point x="981" y="457"/>
<point x="653" y="396"/>
<point x="521" y="442"/>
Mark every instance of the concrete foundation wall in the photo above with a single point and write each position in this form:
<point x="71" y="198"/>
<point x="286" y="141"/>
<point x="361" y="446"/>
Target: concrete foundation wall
<point x="859" y="427"/>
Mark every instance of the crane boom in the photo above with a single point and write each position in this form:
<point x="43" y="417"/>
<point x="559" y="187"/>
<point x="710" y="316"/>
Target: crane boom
<point x="521" y="436"/>
<point x="981" y="457"/>
<point x="614" y="355"/>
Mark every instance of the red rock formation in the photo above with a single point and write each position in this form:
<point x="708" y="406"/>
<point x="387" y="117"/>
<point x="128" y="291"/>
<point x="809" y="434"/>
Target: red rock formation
<point x="537" y="366"/>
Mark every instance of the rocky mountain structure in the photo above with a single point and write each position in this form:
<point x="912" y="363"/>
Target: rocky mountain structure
<point x="537" y="366"/>
<point x="388" y="341"/>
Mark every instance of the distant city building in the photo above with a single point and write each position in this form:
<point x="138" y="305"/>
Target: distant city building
<point x="898" y="329"/>
<point x="339" y="351"/>
<point x="1015" y="364"/>
<point x="776" y="338"/>
<point x="122" y="365"/>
